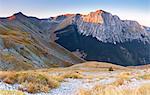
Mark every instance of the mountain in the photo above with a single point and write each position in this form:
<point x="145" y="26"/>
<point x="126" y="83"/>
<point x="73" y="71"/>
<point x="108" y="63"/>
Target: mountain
<point x="102" y="36"/>
<point x="23" y="47"/>
<point x="98" y="36"/>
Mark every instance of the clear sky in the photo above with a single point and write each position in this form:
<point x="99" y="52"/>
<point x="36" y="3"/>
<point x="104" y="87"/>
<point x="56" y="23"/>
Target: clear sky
<point x="138" y="10"/>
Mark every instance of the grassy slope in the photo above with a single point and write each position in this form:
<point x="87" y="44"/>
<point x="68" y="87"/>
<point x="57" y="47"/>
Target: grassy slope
<point x="98" y="65"/>
<point x="25" y="50"/>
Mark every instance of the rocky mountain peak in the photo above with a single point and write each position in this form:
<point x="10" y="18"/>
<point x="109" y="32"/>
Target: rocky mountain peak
<point x="110" y="28"/>
<point x="99" y="11"/>
<point x="94" y="17"/>
<point x="19" y="14"/>
<point x="68" y="15"/>
<point x="16" y="15"/>
<point x="106" y="27"/>
<point x="103" y="36"/>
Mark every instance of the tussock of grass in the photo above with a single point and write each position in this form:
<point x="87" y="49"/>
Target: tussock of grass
<point x="98" y="90"/>
<point x="118" y="82"/>
<point x="113" y="90"/>
<point x="124" y="75"/>
<point x="31" y="81"/>
<point x="74" y="75"/>
<point x="36" y="81"/>
<point x="144" y="89"/>
<point x="11" y="92"/>
<point x="146" y="76"/>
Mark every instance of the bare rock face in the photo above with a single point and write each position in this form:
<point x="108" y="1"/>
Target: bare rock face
<point x="106" y="27"/>
<point x="94" y="17"/>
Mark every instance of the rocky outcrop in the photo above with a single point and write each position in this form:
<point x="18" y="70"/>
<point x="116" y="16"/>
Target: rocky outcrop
<point x="107" y="27"/>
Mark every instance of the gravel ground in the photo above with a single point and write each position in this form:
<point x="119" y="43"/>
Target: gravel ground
<point x="4" y="86"/>
<point x="72" y="86"/>
<point x="133" y="84"/>
<point x="69" y="87"/>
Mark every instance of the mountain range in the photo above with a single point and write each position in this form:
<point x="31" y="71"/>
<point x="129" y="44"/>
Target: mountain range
<point x="29" y="42"/>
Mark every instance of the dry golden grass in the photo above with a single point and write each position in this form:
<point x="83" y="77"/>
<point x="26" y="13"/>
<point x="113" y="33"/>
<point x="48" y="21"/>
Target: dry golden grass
<point x="98" y="66"/>
<point x="98" y="90"/>
<point x="32" y="81"/>
<point x="18" y="63"/>
<point x="11" y="92"/>
<point x="143" y="90"/>
<point x="4" y="74"/>
<point x="11" y="38"/>
<point x="16" y="36"/>
<point x="124" y="75"/>
<point x="37" y="81"/>
<point x="113" y="90"/>
<point x="75" y="75"/>
<point x="118" y="82"/>
<point x="146" y="76"/>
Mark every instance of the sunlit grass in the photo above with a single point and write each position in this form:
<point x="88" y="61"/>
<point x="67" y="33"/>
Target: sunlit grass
<point x="11" y="92"/>
<point x="146" y="76"/>
<point x="113" y="90"/>
<point x="32" y="81"/>
<point x="37" y="81"/>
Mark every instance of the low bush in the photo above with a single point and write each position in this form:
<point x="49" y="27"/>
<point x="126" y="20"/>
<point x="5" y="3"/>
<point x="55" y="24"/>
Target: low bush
<point x="74" y="75"/>
<point x="110" y="69"/>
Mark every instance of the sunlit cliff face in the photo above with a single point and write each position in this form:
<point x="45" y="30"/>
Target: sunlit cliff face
<point x="94" y="17"/>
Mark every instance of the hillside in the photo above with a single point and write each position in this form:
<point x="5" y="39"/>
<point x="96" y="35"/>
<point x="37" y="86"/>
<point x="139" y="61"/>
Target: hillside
<point x="21" y="50"/>
<point x="93" y="65"/>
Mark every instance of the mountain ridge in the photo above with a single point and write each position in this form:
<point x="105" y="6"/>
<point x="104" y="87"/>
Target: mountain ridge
<point x="23" y="48"/>
<point x="112" y="26"/>
<point x="122" y="42"/>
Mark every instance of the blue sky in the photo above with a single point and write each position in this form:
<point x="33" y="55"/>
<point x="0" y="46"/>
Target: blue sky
<point x="138" y="10"/>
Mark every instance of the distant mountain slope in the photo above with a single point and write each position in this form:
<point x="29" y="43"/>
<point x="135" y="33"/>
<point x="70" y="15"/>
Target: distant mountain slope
<point x="98" y="36"/>
<point x="102" y="36"/>
<point x="132" y="52"/>
<point x="22" y="48"/>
